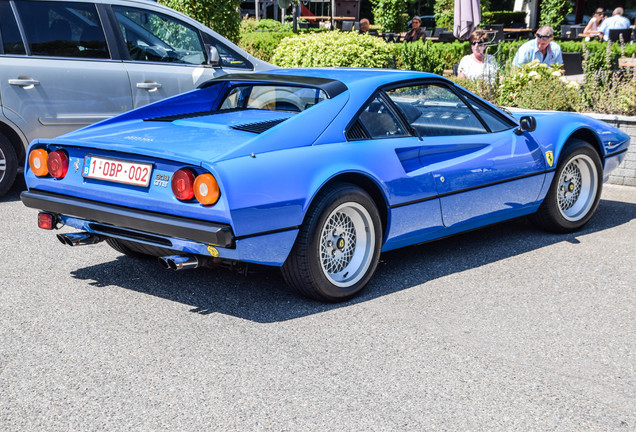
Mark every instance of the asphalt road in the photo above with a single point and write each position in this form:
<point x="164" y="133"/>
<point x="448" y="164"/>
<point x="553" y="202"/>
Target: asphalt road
<point x="505" y="328"/>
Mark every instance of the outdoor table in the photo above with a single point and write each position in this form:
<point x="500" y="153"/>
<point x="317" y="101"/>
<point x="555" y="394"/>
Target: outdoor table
<point x="519" y="32"/>
<point x="627" y="62"/>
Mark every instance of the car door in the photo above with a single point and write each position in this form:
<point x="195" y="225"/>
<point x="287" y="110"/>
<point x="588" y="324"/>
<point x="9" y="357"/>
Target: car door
<point x="64" y="78"/>
<point x="166" y="56"/>
<point x="480" y="167"/>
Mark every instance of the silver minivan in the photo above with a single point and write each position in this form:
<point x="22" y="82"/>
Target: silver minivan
<point x="65" y="64"/>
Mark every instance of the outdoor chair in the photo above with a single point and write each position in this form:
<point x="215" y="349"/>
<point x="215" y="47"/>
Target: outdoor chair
<point x="575" y="30"/>
<point x="495" y="27"/>
<point x="438" y="30"/>
<point x="347" y="26"/>
<point x="572" y="63"/>
<point x="446" y="37"/>
<point x="615" y="35"/>
<point x="429" y="33"/>
<point x="565" y="31"/>
<point x="495" y="36"/>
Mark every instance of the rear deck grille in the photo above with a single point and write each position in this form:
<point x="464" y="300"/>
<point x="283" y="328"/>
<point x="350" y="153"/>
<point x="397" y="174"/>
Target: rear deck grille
<point x="259" y="127"/>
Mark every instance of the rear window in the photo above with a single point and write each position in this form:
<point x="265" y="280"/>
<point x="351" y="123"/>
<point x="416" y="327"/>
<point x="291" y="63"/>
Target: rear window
<point x="272" y="98"/>
<point x="9" y="33"/>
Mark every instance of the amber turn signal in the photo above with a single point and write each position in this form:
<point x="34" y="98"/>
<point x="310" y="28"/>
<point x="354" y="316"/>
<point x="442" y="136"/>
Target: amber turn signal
<point x="38" y="162"/>
<point x="206" y="189"/>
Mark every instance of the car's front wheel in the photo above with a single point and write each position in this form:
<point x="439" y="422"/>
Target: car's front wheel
<point x="338" y="246"/>
<point x="575" y="190"/>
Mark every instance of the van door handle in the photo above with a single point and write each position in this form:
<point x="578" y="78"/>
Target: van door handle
<point x="24" y="82"/>
<point x="149" y="85"/>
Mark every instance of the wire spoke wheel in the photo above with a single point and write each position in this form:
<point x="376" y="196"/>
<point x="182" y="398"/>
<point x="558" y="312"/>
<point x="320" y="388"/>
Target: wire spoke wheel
<point x="346" y="244"/>
<point x="575" y="190"/>
<point x="338" y="246"/>
<point x="577" y="187"/>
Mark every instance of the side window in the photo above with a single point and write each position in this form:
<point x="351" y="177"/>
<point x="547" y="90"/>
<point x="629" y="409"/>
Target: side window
<point x="379" y="121"/>
<point x="63" y="29"/>
<point x="495" y="121"/>
<point x="154" y="37"/>
<point x="230" y="59"/>
<point x="9" y="33"/>
<point x="435" y="110"/>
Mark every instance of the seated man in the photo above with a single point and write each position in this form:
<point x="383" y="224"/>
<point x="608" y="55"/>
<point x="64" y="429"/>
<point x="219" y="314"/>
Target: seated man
<point x="616" y="21"/>
<point x="543" y="48"/>
<point x="364" y="26"/>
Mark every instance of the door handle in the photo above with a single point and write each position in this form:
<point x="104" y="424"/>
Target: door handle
<point x="149" y="85"/>
<point x="24" y="82"/>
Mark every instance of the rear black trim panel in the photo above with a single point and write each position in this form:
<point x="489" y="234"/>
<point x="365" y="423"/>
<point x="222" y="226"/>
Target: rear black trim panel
<point x="155" y="223"/>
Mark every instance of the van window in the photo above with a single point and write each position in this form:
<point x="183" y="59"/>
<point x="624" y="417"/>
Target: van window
<point x="155" y="37"/>
<point x="9" y="33"/>
<point x="63" y="29"/>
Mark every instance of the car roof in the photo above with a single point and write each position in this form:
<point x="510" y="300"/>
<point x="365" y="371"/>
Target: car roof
<point x="332" y="80"/>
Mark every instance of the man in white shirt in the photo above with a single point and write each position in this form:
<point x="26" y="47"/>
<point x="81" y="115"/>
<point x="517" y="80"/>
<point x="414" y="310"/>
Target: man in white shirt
<point x="616" y="21"/>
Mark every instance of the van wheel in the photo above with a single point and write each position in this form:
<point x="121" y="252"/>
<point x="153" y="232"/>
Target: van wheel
<point x="8" y="165"/>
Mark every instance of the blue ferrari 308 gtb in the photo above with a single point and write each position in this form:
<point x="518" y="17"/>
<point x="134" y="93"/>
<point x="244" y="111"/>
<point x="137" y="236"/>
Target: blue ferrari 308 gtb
<point x="316" y="171"/>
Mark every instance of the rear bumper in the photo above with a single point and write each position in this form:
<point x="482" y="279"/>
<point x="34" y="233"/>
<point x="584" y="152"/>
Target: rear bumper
<point x="160" y="224"/>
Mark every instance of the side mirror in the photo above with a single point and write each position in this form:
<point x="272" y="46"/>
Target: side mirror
<point x="526" y="124"/>
<point x="214" y="59"/>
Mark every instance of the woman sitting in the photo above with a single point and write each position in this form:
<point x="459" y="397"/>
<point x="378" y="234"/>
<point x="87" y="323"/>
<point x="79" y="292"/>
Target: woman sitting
<point x="478" y="64"/>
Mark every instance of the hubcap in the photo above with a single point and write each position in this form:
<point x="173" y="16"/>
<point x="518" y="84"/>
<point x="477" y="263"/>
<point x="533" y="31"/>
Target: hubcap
<point x="3" y="165"/>
<point x="577" y="188"/>
<point x="346" y="245"/>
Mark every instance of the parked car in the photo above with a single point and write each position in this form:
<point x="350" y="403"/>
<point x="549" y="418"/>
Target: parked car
<point x="316" y="171"/>
<point x="65" y="64"/>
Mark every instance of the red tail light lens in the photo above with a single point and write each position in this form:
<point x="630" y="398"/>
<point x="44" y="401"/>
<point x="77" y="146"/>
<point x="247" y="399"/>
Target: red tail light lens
<point x="57" y="163"/>
<point x="183" y="184"/>
<point x="46" y="220"/>
<point x="38" y="162"/>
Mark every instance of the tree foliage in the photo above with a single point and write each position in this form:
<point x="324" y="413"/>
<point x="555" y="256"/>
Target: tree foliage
<point x="553" y="13"/>
<point x="222" y="16"/>
<point x="391" y="15"/>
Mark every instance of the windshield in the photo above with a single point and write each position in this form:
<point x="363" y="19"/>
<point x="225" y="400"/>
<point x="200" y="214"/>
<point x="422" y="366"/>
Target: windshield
<point x="272" y="97"/>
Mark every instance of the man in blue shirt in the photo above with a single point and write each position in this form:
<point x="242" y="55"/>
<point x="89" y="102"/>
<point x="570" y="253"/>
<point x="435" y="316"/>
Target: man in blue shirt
<point x="616" y="21"/>
<point x="542" y="48"/>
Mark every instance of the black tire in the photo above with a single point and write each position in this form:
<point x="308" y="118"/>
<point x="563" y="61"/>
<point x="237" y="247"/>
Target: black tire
<point x="8" y="165"/>
<point x="575" y="190"/>
<point x="138" y="250"/>
<point x="338" y="245"/>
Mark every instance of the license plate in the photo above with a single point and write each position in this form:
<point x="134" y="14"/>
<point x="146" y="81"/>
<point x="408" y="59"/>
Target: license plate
<point x="116" y="170"/>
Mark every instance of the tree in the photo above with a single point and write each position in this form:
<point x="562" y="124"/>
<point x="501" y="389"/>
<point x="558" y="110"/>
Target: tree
<point x="222" y="16"/>
<point x="391" y="15"/>
<point x="554" y="13"/>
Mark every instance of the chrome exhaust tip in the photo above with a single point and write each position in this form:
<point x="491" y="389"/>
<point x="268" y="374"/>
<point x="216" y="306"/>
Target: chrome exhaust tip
<point x="79" y="239"/>
<point x="179" y="262"/>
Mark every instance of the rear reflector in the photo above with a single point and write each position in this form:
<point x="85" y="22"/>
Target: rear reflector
<point x="46" y="221"/>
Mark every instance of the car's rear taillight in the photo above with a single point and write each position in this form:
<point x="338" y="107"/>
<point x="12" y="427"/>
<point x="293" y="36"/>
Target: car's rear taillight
<point x="183" y="184"/>
<point x="57" y="164"/>
<point x="38" y="162"/>
<point x="206" y="189"/>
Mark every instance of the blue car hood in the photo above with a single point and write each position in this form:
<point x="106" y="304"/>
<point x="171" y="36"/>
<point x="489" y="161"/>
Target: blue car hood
<point x="191" y="140"/>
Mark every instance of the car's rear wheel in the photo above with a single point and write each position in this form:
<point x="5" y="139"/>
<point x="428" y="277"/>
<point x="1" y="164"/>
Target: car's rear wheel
<point x="575" y="190"/>
<point x="138" y="250"/>
<point x="8" y="165"/>
<point x="338" y="245"/>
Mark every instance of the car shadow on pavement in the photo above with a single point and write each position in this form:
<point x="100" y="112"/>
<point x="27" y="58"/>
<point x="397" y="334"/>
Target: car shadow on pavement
<point x="14" y="193"/>
<point x="262" y="296"/>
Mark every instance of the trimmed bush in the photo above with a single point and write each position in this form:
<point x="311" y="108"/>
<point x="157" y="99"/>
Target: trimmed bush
<point x="333" y="49"/>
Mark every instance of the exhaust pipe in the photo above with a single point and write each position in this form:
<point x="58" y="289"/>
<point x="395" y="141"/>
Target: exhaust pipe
<point x="79" y="239"/>
<point x="179" y="262"/>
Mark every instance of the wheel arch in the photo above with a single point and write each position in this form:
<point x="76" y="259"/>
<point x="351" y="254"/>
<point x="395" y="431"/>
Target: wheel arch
<point x="369" y="186"/>
<point x="15" y="140"/>
<point x="587" y="135"/>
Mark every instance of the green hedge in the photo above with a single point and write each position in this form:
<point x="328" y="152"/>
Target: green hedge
<point x="507" y="18"/>
<point x="333" y="48"/>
